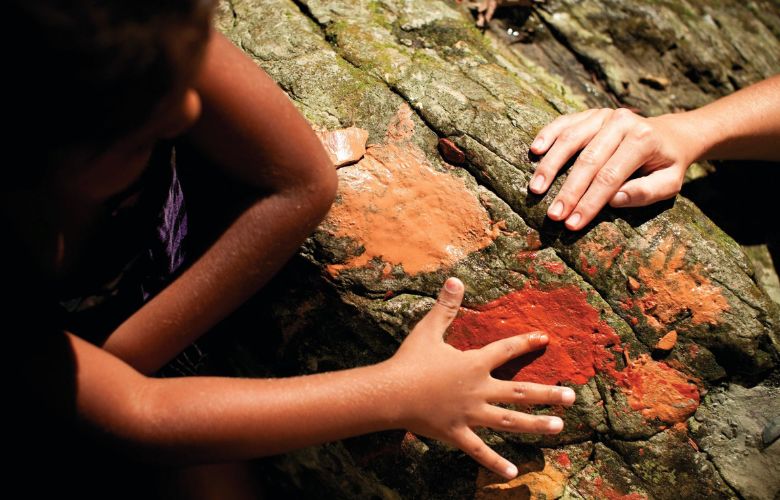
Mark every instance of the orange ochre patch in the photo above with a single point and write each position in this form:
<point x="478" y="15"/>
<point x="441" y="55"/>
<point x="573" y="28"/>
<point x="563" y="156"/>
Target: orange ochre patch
<point x="401" y="210"/>
<point x="547" y="483"/>
<point x="674" y="289"/>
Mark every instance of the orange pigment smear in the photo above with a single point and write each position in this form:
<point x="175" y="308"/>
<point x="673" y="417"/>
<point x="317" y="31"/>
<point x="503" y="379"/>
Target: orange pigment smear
<point x="401" y="210"/>
<point x="596" y="256"/>
<point x="554" y="267"/>
<point x="674" y="291"/>
<point x="658" y="391"/>
<point x="547" y="483"/>
<point x="581" y="345"/>
<point x="580" y="340"/>
<point x="344" y="146"/>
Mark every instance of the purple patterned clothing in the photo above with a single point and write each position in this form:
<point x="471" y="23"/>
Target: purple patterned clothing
<point x="138" y="255"/>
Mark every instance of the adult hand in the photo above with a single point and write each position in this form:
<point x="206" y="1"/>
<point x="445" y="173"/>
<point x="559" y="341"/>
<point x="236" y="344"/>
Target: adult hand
<point x="450" y="391"/>
<point x="614" y="143"/>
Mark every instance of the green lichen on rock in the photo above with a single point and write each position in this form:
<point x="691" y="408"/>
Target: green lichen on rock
<point x="638" y="273"/>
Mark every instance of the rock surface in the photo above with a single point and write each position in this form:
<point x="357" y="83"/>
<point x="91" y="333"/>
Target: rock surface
<point x="413" y="73"/>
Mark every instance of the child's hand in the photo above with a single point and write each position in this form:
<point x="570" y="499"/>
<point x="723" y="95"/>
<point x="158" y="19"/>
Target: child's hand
<point x="448" y="392"/>
<point x="614" y="144"/>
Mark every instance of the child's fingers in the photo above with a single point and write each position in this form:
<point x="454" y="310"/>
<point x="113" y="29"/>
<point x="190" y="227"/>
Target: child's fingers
<point x="572" y="138"/>
<point x="502" y="419"/>
<point x="499" y="352"/>
<point x="434" y="324"/>
<point x="472" y="445"/>
<point x="658" y="185"/>
<point x="527" y="393"/>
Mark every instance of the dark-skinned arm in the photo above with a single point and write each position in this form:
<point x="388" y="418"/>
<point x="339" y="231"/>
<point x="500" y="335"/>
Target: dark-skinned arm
<point x="427" y="386"/>
<point x="251" y="130"/>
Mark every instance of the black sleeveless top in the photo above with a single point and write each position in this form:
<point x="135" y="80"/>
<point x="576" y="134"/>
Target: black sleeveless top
<point x="138" y="253"/>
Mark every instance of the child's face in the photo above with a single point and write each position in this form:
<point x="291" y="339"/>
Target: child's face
<point x="95" y="177"/>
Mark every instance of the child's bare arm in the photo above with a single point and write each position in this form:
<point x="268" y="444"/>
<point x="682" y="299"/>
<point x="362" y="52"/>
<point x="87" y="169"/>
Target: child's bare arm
<point x="427" y="387"/>
<point x="251" y="130"/>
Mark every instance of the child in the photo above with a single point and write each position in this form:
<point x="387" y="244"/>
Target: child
<point x="118" y="78"/>
<point x="615" y="143"/>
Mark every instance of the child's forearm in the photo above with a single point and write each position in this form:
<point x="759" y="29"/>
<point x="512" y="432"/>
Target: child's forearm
<point x="251" y="130"/>
<point x="428" y="387"/>
<point x="743" y="125"/>
<point x="222" y="419"/>
<point x="210" y="419"/>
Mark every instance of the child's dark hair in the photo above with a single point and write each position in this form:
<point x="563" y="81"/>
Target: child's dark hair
<point x="85" y="72"/>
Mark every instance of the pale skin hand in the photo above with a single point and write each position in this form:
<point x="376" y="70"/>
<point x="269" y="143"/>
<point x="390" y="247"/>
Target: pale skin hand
<point x="616" y="143"/>
<point x="428" y="387"/>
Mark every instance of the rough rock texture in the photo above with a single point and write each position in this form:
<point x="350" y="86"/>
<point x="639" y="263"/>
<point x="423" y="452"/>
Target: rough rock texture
<point x="414" y="72"/>
<point x="729" y="429"/>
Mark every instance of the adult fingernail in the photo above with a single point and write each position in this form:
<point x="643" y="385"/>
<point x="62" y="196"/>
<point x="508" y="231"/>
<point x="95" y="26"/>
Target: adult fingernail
<point x="538" y="143"/>
<point x="554" y="424"/>
<point x="538" y="183"/>
<point x="557" y="209"/>
<point x="451" y="285"/>
<point x="543" y="338"/>
<point x="620" y="198"/>
<point x="567" y="396"/>
<point x="574" y="219"/>
<point x="511" y="471"/>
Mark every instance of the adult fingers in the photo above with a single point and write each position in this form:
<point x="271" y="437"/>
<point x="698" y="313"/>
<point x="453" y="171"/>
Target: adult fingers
<point x="528" y="393"/>
<point x="502" y="419"/>
<point x="546" y="137"/>
<point x="658" y="185"/>
<point x="565" y="136"/>
<point x="628" y="157"/>
<point x="589" y="163"/>
<point x="443" y="312"/>
<point x="472" y="445"/>
<point x="499" y="352"/>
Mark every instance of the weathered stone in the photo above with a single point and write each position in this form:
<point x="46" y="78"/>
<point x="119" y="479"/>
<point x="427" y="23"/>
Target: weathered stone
<point x="671" y="466"/>
<point x="729" y="427"/>
<point x="413" y="73"/>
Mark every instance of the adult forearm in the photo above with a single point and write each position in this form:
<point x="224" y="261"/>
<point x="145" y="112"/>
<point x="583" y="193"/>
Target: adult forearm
<point x="743" y="125"/>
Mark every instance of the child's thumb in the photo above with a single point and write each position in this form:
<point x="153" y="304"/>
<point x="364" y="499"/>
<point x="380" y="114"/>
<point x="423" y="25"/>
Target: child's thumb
<point x="435" y="323"/>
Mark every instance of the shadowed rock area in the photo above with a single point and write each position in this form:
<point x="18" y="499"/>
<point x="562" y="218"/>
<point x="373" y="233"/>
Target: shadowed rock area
<point x="441" y="190"/>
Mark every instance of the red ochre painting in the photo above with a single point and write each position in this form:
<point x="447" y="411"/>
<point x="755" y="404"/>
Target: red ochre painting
<point x="581" y="345"/>
<point x="405" y="213"/>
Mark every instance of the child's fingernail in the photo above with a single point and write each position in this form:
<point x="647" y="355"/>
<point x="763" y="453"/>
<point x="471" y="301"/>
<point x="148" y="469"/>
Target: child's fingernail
<point x="537" y="183"/>
<point x="538" y="143"/>
<point x="621" y="198"/>
<point x="557" y="209"/>
<point x="511" y="471"/>
<point x="451" y="285"/>
<point x="543" y="338"/>
<point x="554" y="424"/>
<point x="574" y="219"/>
<point x="567" y="396"/>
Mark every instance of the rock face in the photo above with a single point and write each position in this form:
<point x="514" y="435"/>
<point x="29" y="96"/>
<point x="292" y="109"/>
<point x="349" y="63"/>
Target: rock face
<point x="648" y="422"/>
